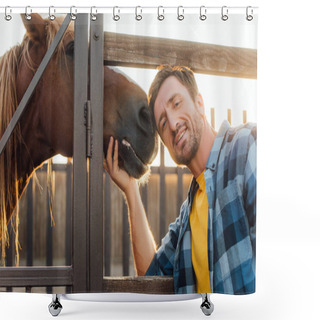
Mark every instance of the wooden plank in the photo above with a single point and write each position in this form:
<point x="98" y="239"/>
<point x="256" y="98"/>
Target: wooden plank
<point x="244" y="116"/>
<point x="68" y="198"/>
<point x="229" y="115"/>
<point x="163" y="229"/>
<point x="169" y="170"/>
<point x="125" y="239"/>
<point x="213" y="121"/>
<point x="49" y="237"/>
<point x="79" y="203"/>
<point x="30" y="191"/>
<point x="96" y="166"/>
<point x="107" y="225"/>
<point x="147" y="285"/>
<point x="179" y="190"/>
<point x="149" y="52"/>
<point x="35" y="276"/>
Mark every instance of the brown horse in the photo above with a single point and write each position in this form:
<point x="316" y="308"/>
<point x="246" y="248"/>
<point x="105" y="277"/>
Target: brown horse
<point x="46" y="127"/>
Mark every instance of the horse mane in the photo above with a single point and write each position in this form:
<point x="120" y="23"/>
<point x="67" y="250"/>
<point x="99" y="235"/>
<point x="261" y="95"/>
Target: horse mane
<point x="10" y="183"/>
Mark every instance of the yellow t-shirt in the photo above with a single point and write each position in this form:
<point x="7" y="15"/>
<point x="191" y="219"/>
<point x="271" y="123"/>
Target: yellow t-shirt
<point x="199" y="236"/>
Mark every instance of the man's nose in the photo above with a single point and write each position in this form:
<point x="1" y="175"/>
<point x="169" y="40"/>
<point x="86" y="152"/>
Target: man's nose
<point x="173" y="122"/>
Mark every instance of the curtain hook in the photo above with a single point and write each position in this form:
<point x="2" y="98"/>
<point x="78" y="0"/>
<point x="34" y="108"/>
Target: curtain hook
<point x="73" y="13"/>
<point x="203" y="13"/>
<point x="160" y="16"/>
<point x="51" y="15"/>
<point x="224" y="13"/>
<point x="138" y="16"/>
<point x="27" y="13"/>
<point x="249" y="16"/>
<point x="8" y="17"/>
<point x="180" y="15"/>
<point x="116" y="17"/>
<point x="93" y="15"/>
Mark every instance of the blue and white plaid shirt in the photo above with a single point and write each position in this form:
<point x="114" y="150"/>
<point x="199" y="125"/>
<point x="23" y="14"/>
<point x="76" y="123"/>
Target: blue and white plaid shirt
<point x="230" y="177"/>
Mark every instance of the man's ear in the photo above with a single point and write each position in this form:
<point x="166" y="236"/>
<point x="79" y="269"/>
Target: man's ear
<point x="36" y="27"/>
<point x="200" y="105"/>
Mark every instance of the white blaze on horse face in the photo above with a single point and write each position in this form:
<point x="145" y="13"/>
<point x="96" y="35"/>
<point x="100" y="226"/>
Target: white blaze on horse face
<point x="117" y="70"/>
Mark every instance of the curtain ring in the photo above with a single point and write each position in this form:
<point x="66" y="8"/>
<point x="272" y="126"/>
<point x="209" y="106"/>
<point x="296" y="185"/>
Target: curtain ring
<point x="8" y="17"/>
<point x="180" y="15"/>
<point x="73" y="13"/>
<point x="138" y="16"/>
<point x="93" y="15"/>
<point x="27" y="13"/>
<point x="249" y="16"/>
<point x="116" y="17"/>
<point x="51" y="15"/>
<point x="203" y="13"/>
<point x="160" y="16"/>
<point x="224" y="13"/>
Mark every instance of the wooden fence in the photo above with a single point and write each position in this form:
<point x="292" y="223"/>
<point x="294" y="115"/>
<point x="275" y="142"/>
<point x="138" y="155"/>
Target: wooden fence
<point x="43" y="245"/>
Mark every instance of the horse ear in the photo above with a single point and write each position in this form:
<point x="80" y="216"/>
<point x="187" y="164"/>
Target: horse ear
<point x="35" y="27"/>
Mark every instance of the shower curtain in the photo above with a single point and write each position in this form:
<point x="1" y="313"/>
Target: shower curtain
<point x="176" y="169"/>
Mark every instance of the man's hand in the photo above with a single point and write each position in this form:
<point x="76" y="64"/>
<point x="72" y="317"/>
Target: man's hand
<point x="119" y="176"/>
<point x="143" y="244"/>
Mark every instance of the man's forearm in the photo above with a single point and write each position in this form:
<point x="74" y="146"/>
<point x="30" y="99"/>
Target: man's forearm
<point x="142" y="240"/>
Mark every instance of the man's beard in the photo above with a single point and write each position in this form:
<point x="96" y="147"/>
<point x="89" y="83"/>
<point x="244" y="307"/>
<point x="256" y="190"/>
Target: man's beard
<point x="192" y="144"/>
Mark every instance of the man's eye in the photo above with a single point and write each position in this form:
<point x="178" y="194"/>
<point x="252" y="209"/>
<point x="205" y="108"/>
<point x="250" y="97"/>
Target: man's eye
<point x="177" y="103"/>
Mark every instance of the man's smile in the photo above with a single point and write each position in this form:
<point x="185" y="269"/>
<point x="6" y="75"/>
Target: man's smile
<point x="179" y="136"/>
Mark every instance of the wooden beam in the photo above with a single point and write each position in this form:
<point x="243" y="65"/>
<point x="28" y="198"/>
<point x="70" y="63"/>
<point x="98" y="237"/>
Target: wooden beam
<point x="149" y="52"/>
<point x="147" y="285"/>
<point x="35" y="276"/>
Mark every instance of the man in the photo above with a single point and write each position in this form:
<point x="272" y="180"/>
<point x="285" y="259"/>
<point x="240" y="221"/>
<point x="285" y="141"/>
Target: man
<point x="211" y="245"/>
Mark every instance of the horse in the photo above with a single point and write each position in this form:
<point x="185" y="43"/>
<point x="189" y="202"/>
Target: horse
<point x="46" y="127"/>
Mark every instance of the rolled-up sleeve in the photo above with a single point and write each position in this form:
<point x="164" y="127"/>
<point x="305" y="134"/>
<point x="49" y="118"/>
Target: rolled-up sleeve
<point x="163" y="260"/>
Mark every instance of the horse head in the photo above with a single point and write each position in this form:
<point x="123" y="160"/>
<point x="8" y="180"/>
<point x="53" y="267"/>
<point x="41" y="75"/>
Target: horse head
<point x="46" y="127"/>
<point x="126" y="114"/>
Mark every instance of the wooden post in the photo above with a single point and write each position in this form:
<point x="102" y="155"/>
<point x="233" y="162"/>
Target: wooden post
<point x="229" y="115"/>
<point x="179" y="189"/>
<point x="213" y="120"/>
<point x="107" y="225"/>
<point x="79" y="203"/>
<point x="95" y="219"/>
<point x="162" y="195"/>
<point x="30" y="192"/>
<point x="125" y="240"/>
<point x="244" y="116"/>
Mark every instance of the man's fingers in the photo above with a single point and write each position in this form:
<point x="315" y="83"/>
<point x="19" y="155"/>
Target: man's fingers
<point x="115" y="156"/>
<point x="109" y="154"/>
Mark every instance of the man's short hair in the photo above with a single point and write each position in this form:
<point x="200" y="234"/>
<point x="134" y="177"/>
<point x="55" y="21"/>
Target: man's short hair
<point x="183" y="74"/>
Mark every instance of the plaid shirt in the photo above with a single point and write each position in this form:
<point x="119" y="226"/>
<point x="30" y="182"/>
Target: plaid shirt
<point x="230" y="177"/>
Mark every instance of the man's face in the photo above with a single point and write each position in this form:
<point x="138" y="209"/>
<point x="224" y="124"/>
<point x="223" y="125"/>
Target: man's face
<point x="179" y="120"/>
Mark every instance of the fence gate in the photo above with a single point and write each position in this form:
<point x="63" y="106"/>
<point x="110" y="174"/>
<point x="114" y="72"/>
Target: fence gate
<point x="85" y="274"/>
<point x="88" y="146"/>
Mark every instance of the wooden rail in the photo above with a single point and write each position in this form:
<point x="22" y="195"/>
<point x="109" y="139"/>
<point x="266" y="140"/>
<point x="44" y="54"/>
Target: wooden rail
<point x="150" y="285"/>
<point x="148" y="52"/>
<point x="35" y="276"/>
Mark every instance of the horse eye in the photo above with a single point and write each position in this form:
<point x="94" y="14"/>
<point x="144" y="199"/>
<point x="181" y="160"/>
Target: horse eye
<point x="70" y="48"/>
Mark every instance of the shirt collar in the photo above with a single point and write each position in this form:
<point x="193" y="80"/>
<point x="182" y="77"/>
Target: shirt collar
<point x="215" y="150"/>
<point x="213" y="156"/>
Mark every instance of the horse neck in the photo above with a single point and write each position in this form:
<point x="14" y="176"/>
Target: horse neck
<point x="32" y="150"/>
